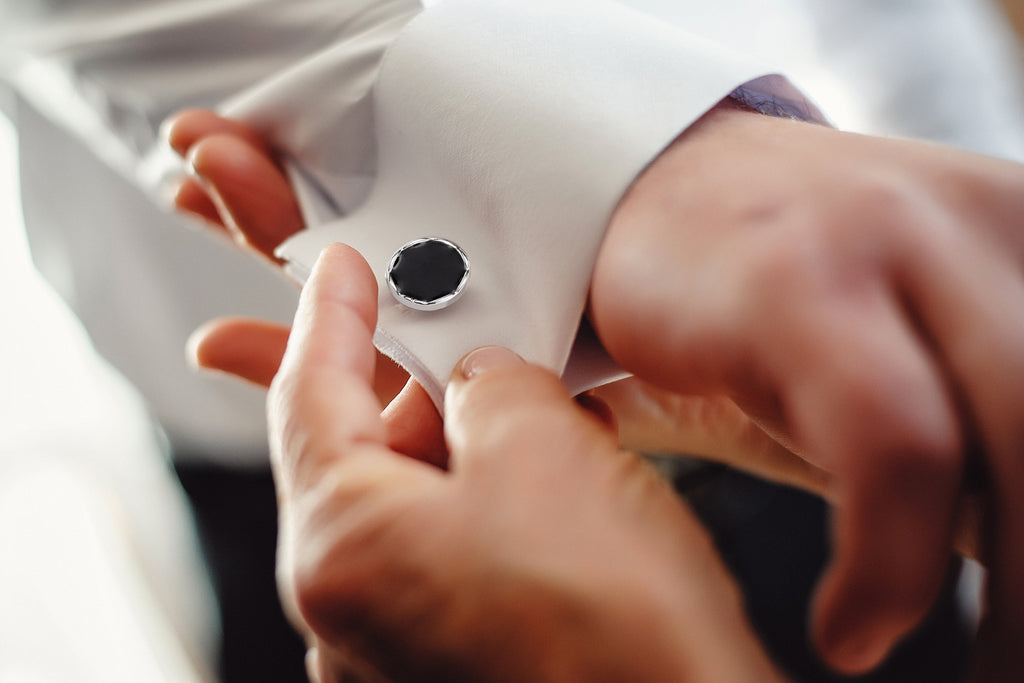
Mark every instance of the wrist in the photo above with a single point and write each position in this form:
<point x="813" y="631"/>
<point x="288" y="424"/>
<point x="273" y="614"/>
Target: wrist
<point x="679" y="228"/>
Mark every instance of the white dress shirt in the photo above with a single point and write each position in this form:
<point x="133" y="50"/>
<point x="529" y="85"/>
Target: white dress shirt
<point x="510" y="127"/>
<point x="599" y="90"/>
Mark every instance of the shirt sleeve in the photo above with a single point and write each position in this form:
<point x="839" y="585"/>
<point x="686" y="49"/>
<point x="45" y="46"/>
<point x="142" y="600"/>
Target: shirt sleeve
<point x="110" y="72"/>
<point x="87" y="83"/>
<point x="512" y="128"/>
<point x="508" y="127"/>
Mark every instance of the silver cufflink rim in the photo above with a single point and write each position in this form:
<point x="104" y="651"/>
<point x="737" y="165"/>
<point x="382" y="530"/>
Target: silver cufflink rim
<point x="434" y="304"/>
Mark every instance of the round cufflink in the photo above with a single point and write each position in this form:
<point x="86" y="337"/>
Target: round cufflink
<point x="428" y="274"/>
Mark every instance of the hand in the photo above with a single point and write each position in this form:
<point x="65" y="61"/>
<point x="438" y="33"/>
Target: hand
<point x="863" y="300"/>
<point x="235" y="183"/>
<point x="544" y="553"/>
<point x="655" y="420"/>
<point x="236" y="186"/>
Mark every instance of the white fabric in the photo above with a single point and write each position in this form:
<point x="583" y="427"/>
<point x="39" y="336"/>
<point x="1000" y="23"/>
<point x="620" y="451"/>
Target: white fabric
<point x="101" y="579"/>
<point x="309" y="94"/>
<point x="93" y="84"/>
<point x="512" y="129"/>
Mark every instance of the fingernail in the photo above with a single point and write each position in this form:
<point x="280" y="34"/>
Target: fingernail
<point x="190" y="164"/>
<point x="167" y="191"/>
<point x="488" y="358"/>
<point x="193" y="352"/>
<point x="164" y="132"/>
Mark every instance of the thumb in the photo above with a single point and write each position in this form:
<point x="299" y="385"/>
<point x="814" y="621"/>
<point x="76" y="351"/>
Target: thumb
<point x="498" y="406"/>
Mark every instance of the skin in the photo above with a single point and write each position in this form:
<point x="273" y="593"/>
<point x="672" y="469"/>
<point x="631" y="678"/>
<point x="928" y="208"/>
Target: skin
<point x="844" y="327"/>
<point x="489" y="570"/>
<point x="861" y="299"/>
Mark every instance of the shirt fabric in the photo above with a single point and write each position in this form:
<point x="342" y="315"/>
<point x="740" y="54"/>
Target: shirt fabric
<point x="511" y="128"/>
<point x="94" y="79"/>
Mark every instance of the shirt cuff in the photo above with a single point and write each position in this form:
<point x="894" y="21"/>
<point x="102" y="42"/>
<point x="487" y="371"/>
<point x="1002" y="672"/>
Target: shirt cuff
<point x="512" y="128"/>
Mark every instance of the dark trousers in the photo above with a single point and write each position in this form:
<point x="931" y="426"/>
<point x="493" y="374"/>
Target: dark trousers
<point x="236" y="513"/>
<point x="776" y="542"/>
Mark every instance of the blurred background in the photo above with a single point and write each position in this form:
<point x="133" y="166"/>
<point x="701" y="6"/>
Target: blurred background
<point x="102" y="572"/>
<point x="101" y="577"/>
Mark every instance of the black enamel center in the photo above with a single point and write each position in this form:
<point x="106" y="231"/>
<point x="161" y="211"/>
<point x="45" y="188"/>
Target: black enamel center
<point x="428" y="271"/>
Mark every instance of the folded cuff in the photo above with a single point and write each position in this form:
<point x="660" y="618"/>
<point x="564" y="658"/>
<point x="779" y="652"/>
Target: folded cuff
<point x="512" y="128"/>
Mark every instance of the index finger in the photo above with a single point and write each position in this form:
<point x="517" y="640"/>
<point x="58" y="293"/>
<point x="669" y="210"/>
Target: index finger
<point x="322" y="401"/>
<point x="187" y="127"/>
<point x="338" y="482"/>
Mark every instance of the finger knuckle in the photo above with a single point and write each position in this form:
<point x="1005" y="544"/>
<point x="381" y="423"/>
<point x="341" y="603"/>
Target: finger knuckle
<point x="881" y="214"/>
<point x="914" y="452"/>
<point x="833" y="231"/>
<point x="338" y="573"/>
<point x="908" y="420"/>
<point x="880" y="199"/>
<point x="331" y="595"/>
<point x="863" y="225"/>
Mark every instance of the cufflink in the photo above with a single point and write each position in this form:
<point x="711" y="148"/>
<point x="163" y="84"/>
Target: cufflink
<point x="428" y="274"/>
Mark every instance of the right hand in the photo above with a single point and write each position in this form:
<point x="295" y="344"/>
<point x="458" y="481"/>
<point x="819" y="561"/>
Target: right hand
<point x="544" y="553"/>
